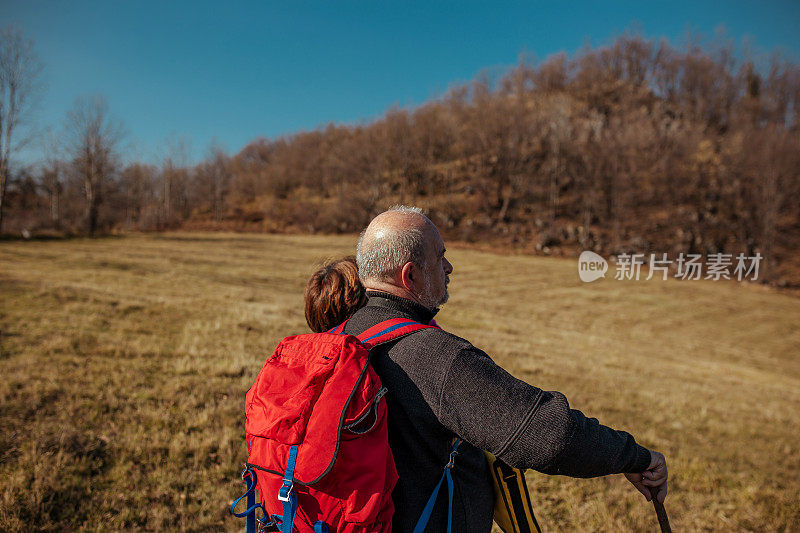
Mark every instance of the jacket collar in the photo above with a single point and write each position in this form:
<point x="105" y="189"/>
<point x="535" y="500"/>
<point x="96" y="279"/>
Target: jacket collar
<point x="415" y="311"/>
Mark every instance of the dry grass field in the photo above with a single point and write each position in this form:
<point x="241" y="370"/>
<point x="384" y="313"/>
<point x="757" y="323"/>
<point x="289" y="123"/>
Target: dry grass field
<point x="125" y="360"/>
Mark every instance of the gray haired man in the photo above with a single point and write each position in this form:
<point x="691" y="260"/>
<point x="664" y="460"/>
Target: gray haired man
<point x="442" y="387"/>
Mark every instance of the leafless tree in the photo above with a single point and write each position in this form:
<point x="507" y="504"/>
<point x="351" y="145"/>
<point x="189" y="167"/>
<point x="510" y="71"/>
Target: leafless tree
<point x="20" y="72"/>
<point x="138" y="191"/>
<point x="52" y="175"/>
<point x="93" y="139"/>
<point x="222" y="178"/>
<point x="213" y="178"/>
<point x="174" y="181"/>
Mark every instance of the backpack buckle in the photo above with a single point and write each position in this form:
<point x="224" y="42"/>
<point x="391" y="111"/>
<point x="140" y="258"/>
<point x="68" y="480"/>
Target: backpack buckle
<point x="288" y="478"/>
<point x="286" y="491"/>
<point x="452" y="462"/>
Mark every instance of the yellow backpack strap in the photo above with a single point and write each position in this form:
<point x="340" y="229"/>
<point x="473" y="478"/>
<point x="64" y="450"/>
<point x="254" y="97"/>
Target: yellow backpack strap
<point x="513" y="510"/>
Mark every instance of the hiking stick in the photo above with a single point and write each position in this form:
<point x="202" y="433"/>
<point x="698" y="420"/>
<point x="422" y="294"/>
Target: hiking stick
<point x="661" y="513"/>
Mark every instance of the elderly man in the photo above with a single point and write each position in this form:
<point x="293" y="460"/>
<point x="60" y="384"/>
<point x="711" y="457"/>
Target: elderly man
<point x="442" y="387"/>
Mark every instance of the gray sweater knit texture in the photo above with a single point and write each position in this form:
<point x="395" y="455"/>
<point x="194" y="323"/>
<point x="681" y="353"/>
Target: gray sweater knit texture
<point x="441" y="387"/>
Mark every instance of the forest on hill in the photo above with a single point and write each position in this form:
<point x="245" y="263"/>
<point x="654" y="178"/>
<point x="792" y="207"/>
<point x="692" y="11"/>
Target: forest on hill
<point x="635" y="147"/>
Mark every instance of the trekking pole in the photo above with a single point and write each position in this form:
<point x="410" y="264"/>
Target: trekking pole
<point x="661" y="513"/>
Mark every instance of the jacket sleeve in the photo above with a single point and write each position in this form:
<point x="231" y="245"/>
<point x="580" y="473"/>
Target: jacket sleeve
<point x="527" y="427"/>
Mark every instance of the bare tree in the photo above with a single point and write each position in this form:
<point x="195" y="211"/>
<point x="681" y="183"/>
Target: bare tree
<point x="214" y="177"/>
<point x="138" y="190"/>
<point x="19" y="83"/>
<point x="222" y="178"/>
<point x="51" y="177"/>
<point x="93" y="138"/>
<point x="174" y="181"/>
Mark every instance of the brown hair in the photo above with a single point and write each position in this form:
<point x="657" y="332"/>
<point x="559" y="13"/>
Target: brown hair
<point x="333" y="294"/>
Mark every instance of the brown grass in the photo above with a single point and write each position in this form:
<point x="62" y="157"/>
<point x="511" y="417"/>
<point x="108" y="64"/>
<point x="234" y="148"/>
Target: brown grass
<point x="125" y="362"/>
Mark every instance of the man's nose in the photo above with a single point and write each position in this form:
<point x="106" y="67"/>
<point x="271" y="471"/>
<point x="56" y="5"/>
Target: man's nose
<point x="448" y="268"/>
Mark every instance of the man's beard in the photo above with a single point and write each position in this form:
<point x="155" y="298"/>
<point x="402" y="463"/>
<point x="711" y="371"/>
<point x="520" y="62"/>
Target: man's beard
<point x="431" y="301"/>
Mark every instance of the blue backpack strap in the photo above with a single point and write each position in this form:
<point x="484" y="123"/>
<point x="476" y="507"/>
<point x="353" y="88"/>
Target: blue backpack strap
<point x="286" y="493"/>
<point x="338" y="330"/>
<point x="385" y="331"/>
<point x="250" y="521"/>
<point x="389" y="330"/>
<point x="428" y="510"/>
<point x="249" y="477"/>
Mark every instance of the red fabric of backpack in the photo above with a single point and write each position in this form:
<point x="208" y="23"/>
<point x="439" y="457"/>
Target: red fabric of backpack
<point x="317" y="436"/>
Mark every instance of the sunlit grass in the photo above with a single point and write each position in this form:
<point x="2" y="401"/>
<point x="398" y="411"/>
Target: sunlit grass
<point x="125" y="362"/>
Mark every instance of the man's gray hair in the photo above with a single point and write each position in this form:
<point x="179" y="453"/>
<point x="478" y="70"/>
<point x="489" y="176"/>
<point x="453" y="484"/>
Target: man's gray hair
<point x="386" y="256"/>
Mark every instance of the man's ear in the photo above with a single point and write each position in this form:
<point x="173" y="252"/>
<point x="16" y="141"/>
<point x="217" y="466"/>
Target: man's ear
<point x="407" y="274"/>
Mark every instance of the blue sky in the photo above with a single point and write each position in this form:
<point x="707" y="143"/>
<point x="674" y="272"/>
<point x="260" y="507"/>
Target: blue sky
<point x="235" y="71"/>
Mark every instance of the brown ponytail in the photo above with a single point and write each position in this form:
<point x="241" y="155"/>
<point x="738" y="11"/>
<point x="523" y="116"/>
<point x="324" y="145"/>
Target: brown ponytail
<point x="333" y="294"/>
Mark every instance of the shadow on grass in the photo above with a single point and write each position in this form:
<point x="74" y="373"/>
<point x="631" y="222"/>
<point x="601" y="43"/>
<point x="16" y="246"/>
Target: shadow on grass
<point x="66" y="469"/>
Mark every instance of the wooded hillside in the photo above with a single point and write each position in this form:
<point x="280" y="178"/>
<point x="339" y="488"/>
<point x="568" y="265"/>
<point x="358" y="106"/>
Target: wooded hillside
<point x="639" y="146"/>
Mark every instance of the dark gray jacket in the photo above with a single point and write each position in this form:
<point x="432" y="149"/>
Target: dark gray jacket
<point x="440" y="386"/>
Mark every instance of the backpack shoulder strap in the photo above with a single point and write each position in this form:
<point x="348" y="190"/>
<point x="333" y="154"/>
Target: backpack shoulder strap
<point x="338" y="330"/>
<point x="389" y="330"/>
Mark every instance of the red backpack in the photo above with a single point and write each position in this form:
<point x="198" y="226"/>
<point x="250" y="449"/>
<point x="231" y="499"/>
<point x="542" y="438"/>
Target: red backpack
<point x="317" y="441"/>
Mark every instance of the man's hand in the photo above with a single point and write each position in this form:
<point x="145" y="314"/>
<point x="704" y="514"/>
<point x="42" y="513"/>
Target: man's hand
<point x="654" y="476"/>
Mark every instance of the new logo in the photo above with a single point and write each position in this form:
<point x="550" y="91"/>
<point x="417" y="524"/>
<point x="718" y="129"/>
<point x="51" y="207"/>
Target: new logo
<point x="591" y="266"/>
